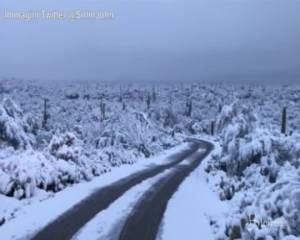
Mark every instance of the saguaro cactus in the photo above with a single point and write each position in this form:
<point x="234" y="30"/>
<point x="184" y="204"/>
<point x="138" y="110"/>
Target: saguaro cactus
<point x="283" y="121"/>
<point x="189" y="108"/>
<point x="45" y="114"/>
<point x="148" y="101"/>
<point x="120" y="96"/>
<point x="102" y="109"/>
<point x="219" y="108"/>
<point x="153" y="94"/>
<point x="212" y="128"/>
<point x="187" y="102"/>
<point x="170" y="100"/>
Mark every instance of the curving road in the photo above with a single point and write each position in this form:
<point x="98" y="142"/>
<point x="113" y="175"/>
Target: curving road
<point x="144" y="222"/>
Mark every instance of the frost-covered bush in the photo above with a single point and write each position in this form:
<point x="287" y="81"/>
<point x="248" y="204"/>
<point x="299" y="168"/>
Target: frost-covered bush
<point x="26" y="171"/>
<point x="14" y="129"/>
<point x="165" y="115"/>
<point x="6" y="183"/>
<point x="21" y="174"/>
<point x="66" y="147"/>
<point x="259" y="173"/>
<point x="69" y="151"/>
<point x="87" y="147"/>
<point x="236" y="125"/>
<point x="134" y="133"/>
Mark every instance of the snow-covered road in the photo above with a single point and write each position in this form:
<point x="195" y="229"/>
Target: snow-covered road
<point x="137" y="214"/>
<point x="144" y="221"/>
<point x="69" y="223"/>
<point x="130" y="207"/>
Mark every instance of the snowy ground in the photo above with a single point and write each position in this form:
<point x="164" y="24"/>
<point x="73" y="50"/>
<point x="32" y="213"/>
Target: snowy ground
<point x="32" y="214"/>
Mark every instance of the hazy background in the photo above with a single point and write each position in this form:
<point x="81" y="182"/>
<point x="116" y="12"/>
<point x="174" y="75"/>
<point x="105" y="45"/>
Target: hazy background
<point x="155" y="40"/>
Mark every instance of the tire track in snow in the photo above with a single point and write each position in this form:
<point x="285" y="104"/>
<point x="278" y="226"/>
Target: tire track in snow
<point x="144" y="222"/>
<point x="108" y="223"/>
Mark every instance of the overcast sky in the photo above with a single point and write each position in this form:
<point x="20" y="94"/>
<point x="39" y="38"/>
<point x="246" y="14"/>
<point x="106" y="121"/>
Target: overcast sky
<point x="154" y="40"/>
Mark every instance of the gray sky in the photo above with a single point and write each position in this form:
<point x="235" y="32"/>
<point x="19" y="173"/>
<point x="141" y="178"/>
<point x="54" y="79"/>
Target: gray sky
<point x="154" y="40"/>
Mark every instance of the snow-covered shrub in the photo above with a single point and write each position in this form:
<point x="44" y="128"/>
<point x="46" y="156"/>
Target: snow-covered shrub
<point x="6" y="183"/>
<point x="66" y="147"/>
<point x="25" y="171"/>
<point x="167" y="117"/>
<point x="240" y="146"/>
<point x="236" y="121"/>
<point x="65" y="162"/>
<point x="260" y="176"/>
<point x="226" y="116"/>
<point x="72" y="95"/>
<point x="134" y="133"/>
<point x="13" y="126"/>
<point x="21" y="174"/>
